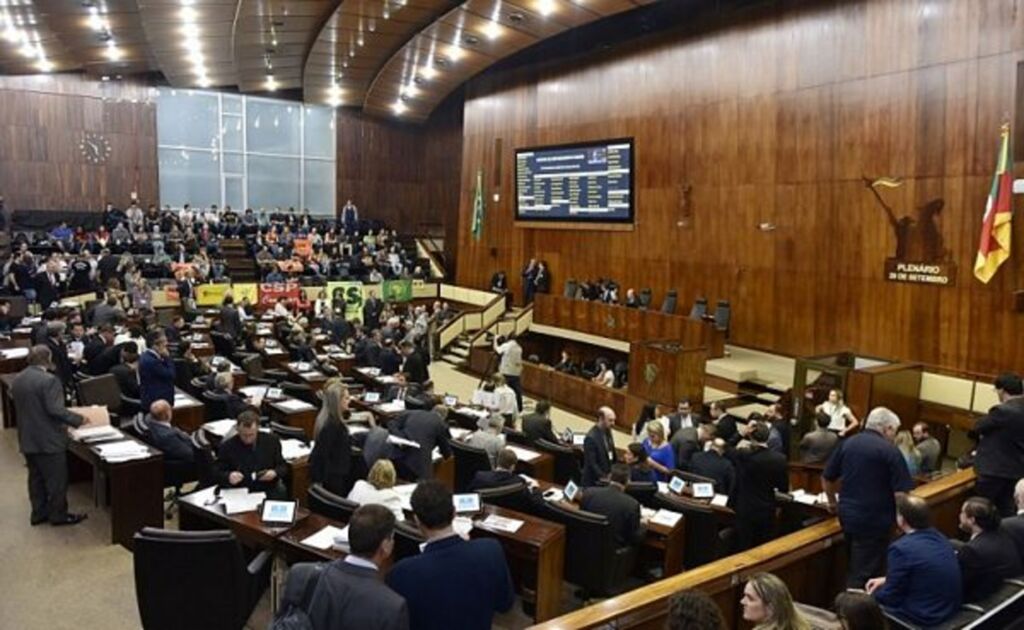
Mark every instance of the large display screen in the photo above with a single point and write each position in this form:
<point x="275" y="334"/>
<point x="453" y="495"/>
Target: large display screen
<point x="584" y="183"/>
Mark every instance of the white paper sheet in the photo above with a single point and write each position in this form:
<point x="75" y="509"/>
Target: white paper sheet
<point x="295" y="405"/>
<point x="325" y="538"/>
<point x="668" y="518"/>
<point x="524" y="454"/>
<point x="238" y="503"/>
<point x="292" y="449"/>
<point x="501" y="523"/>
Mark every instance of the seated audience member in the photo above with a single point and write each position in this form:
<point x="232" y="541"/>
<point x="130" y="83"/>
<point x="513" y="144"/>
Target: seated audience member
<point x="713" y="464"/>
<point x="378" y="488"/>
<point x="989" y="557"/>
<point x="127" y="371"/>
<point x="768" y="605"/>
<point x="174" y="443"/>
<point x="1014" y="526"/>
<point x="453" y="583"/>
<point x="350" y="592"/>
<point x="859" y="611"/>
<point x="632" y="299"/>
<point x="911" y="456"/>
<point x="662" y="457"/>
<point x="233" y="403"/>
<point x="252" y="459"/>
<point x="605" y="376"/>
<point x="330" y="462"/>
<point x="489" y="437"/>
<point x="816" y="446"/>
<point x="922" y="583"/>
<point x="928" y="447"/>
<point x="622" y="510"/>
<point x="639" y="464"/>
<point x="565" y="363"/>
<point x="693" y="610"/>
<point x="537" y="425"/>
<point x="504" y="473"/>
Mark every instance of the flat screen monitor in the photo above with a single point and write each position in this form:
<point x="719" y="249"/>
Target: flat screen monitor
<point x="586" y="183"/>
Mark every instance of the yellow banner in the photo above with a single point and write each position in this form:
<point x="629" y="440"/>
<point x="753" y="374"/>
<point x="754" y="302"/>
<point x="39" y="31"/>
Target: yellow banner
<point x="249" y="290"/>
<point x="211" y="294"/>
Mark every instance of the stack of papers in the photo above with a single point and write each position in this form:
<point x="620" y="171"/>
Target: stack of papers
<point x="720" y="500"/>
<point x="369" y="371"/>
<point x="524" y="454"/>
<point x="556" y="495"/>
<point x="123" y="451"/>
<point x="329" y="536"/>
<point x="182" y="400"/>
<point x="220" y="428"/>
<point x="501" y="523"/>
<point x="96" y="434"/>
<point x="469" y="411"/>
<point x="459" y="433"/>
<point x="238" y="500"/>
<point x="311" y="374"/>
<point x="14" y="353"/>
<point x="293" y="404"/>
<point x="387" y="380"/>
<point x="802" y="496"/>
<point x="668" y="518"/>
<point x="292" y="449"/>
<point x="392" y="407"/>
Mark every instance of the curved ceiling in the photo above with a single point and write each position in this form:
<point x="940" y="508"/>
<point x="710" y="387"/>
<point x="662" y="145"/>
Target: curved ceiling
<point x="396" y="58"/>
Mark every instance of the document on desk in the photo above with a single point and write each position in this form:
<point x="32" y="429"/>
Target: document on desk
<point x="241" y="500"/>
<point x="720" y="500"/>
<point x="292" y="449"/>
<point x="578" y="439"/>
<point x="123" y="451"/>
<point x="326" y="537"/>
<point x="501" y="523"/>
<point x="469" y="411"/>
<point x="312" y="374"/>
<point x="14" y="353"/>
<point x="220" y="428"/>
<point x="387" y="380"/>
<point x="90" y="435"/>
<point x="293" y="404"/>
<point x="182" y="400"/>
<point x="369" y="371"/>
<point x="392" y="407"/>
<point x="524" y="454"/>
<point x="668" y="518"/>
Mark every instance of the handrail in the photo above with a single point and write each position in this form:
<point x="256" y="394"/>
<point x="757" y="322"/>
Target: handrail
<point x="518" y="318"/>
<point x="437" y="270"/>
<point x="648" y="602"/>
<point x="486" y="315"/>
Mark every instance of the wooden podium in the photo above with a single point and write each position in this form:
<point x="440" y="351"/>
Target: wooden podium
<point x="665" y="372"/>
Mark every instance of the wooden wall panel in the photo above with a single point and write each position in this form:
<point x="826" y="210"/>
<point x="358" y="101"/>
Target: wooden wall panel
<point x="773" y="115"/>
<point x="42" y="121"/>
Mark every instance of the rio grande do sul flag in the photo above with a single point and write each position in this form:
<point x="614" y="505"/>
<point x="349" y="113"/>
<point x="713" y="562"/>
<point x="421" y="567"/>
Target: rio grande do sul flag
<point x="994" y="247"/>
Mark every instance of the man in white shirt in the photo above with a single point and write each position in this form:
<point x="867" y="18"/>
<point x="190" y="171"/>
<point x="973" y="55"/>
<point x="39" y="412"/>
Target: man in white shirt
<point x="511" y="366"/>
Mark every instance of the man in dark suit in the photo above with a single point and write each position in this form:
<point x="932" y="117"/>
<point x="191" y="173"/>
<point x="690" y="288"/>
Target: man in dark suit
<point x="453" y="583"/>
<point x="43" y="439"/>
<point x="922" y="583"/>
<point x="999" y="458"/>
<point x="725" y="424"/>
<point x="713" y="464"/>
<point x="252" y="459"/>
<point x="612" y="502"/>
<point x="350" y="592"/>
<point x="428" y="429"/>
<point x="415" y="366"/>
<point x="402" y="389"/>
<point x="537" y="425"/>
<point x="48" y="285"/>
<point x="174" y="330"/>
<point x="1014" y="526"/>
<point x="390" y="360"/>
<point x="230" y="321"/>
<point x="372" y="308"/>
<point x="156" y="373"/>
<point x="817" y="445"/>
<point x="502" y="475"/>
<point x="682" y="418"/>
<point x="127" y="371"/>
<point x="760" y="473"/>
<point x="599" y="448"/>
<point x="174" y="443"/>
<point x="873" y="472"/>
<point x="62" y="365"/>
<point x="989" y="557"/>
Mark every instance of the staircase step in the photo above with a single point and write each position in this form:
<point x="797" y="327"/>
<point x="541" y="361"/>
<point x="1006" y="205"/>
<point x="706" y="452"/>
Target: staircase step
<point x="454" y="360"/>
<point x="458" y="351"/>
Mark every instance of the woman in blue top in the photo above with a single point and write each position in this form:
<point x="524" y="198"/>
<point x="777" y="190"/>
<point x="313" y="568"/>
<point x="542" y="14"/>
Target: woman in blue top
<point x="661" y="456"/>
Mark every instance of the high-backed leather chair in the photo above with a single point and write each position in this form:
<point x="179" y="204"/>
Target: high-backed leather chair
<point x="326" y="503"/>
<point x="668" y="306"/>
<point x="699" y="308"/>
<point x="514" y="496"/>
<point x="645" y="297"/>
<point x="408" y="539"/>
<point x="593" y="560"/>
<point x="723" y="314"/>
<point x="703" y="544"/>
<point x="301" y="391"/>
<point x="468" y="460"/>
<point x="221" y="590"/>
<point x="286" y="432"/>
<point x="567" y="467"/>
<point x="100" y="390"/>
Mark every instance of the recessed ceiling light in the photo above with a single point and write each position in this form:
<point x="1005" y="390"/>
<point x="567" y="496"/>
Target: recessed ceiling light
<point x="516" y="17"/>
<point x="399" y="107"/>
<point x="44" y="65"/>
<point x="492" y="30"/>
<point x="428" y="72"/>
<point x="188" y="14"/>
<point x="441" y="62"/>
<point x="470" y="40"/>
<point x="545" y="7"/>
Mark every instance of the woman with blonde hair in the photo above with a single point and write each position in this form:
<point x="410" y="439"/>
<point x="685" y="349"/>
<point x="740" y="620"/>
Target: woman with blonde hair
<point x="768" y="605"/>
<point x="379" y="488"/>
<point x="330" y="462"/>
<point x="905" y="442"/>
<point x="843" y="421"/>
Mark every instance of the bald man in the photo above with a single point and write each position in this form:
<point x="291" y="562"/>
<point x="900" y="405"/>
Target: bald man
<point x="599" y="448"/>
<point x="175" y="444"/>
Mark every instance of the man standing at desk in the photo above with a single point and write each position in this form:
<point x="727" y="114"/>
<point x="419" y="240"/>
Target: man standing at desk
<point x="599" y="448"/>
<point x="511" y="366"/>
<point x="42" y="436"/>
<point x="252" y="459"/>
<point x="415" y="367"/>
<point x="156" y="373"/>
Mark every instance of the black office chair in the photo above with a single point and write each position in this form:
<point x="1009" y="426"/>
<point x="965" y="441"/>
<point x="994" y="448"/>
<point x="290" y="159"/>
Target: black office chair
<point x="642" y="491"/>
<point x="567" y="467"/>
<point x="408" y="539"/>
<point x="222" y="344"/>
<point x="668" y="306"/>
<point x="286" y="432"/>
<point x="253" y="367"/>
<point x="514" y="496"/>
<point x="699" y="309"/>
<point x="570" y="288"/>
<point x="301" y="391"/>
<point x="468" y="461"/>
<point x="593" y="560"/>
<point x="326" y="503"/>
<point x="100" y="390"/>
<point x="645" y="297"/>
<point x="196" y="386"/>
<point x="216" y="407"/>
<point x="703" y="544"/>
<point x="515" y="436"/>
<point x="723" y="313"/>
<point x="690" y="477"/>
<point x="221" y="591"/>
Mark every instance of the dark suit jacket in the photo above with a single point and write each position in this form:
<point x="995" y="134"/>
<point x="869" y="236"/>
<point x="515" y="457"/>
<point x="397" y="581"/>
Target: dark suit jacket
<point x="454" y="583"/>
<point x="726" y="429"/>
<point x="1014" y="528"/>
<point x="685" y="443"/>
<point x="47" y="292"/>
<point x="536" y="427"/>
<point x="759" y="473"/>
<point x="493" y="479"/>
<point x="596" y="461"/>
<point x="922" y="578"/>
<point x="416" y="367"/>
<point x="390" y="361"/>
<point x="230" y="322"/>
<point x="622" y="511"/>
<point x="985" y="562"/>
<point x="817" y="445"/>
<point x="128" y="380"/>
<point x="371" y="313"/>
<point x="174" y="443"/>
<point x="1000" y="436"/>
<point x="42" y="417"/>
<point x="428" y="430"/>
<point x="330" y="462"/>
<point x="156" y="378"/>
<point x="714" y="466"/>
<point x="349" y="596"/>
<point x="233" y="455"/>
<point x="62" y="366"/>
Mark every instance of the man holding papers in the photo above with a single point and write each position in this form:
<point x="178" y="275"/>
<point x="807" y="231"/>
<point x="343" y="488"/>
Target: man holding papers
<point x="252" y="459"/>
<point x="350" y="593"/>
<point x="43" y="438"/>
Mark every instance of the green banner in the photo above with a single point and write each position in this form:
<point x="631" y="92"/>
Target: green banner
<point x="397" y="290"/>
<point x="350" y="296"/>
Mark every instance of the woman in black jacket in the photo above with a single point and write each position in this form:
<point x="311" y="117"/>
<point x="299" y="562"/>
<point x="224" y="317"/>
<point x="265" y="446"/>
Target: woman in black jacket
<point x="330" y="463"/>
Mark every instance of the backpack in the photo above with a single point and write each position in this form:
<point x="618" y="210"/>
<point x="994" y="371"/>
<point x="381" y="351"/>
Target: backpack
<point x="293" y="613"/>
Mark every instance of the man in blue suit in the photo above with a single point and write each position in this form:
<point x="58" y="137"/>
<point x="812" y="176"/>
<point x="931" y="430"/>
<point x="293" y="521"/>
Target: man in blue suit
<point x="454" y="583"/>
<point x="156" y="373"/>
<point x="922" y="584"/>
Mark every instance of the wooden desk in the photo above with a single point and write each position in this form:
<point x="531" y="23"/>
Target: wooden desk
<point x="194" y="515"/>
<point x="580" y="394"/>
<point x="304" y="418"/>
<point x="189" y="413"/>
<point x="7" y="403"/>
<point x="314" y="378"/>
<point x="275" y="357"/>
<point x="626" y="324"/>
<point x="133" y="490"/>
<point x="13" y="364"/>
